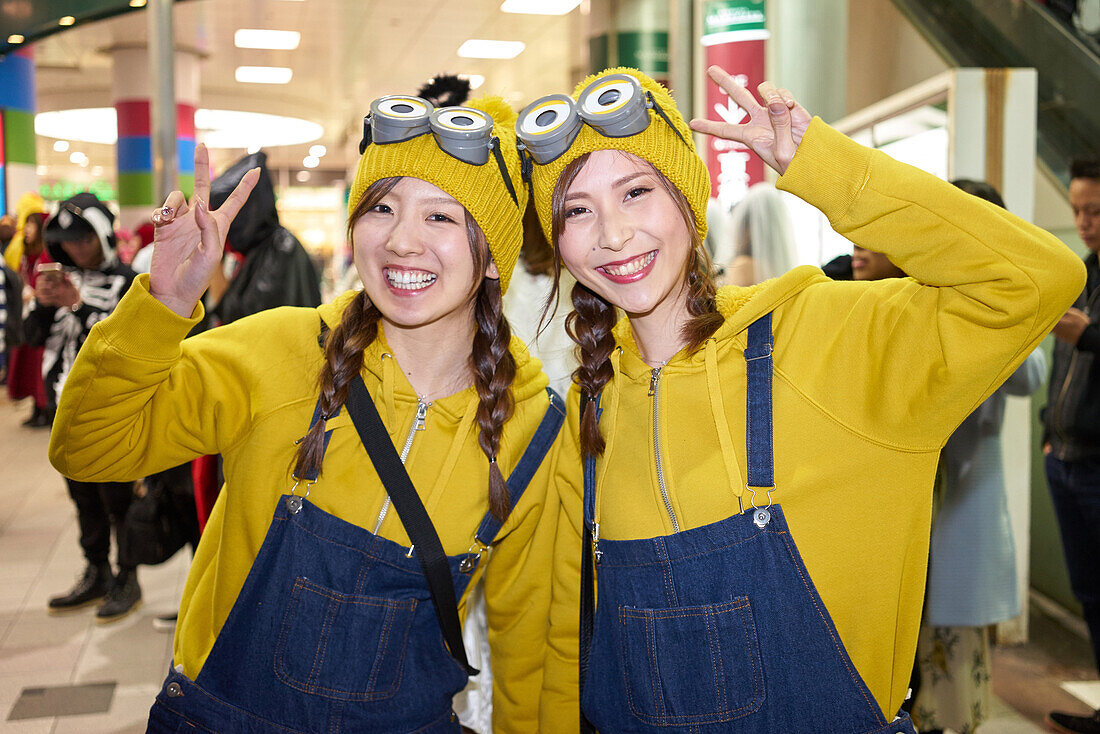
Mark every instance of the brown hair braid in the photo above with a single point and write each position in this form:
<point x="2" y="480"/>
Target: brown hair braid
<point x="491" y="361"/>
<point x="593" y="318"/>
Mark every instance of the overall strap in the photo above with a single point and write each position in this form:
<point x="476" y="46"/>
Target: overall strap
<point x="758" y="364"/>
<point x="588" y="572"/>
<point x="528" y="464"/>
<point x="413" y="516"/>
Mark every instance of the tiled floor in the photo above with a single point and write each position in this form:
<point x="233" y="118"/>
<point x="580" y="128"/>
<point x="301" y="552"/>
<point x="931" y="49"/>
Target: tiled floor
<point x="39" y="557"/>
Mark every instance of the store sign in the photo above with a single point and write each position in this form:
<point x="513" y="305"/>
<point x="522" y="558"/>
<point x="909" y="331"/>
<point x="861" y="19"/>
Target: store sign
<point x="61" y="190"/>
<point x="734" y="36"/>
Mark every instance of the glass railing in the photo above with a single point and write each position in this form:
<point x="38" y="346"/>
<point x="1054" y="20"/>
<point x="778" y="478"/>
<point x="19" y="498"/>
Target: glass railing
<point x="1014" y="33"/>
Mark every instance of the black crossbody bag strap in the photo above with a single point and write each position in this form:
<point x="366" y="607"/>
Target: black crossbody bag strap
<point x="413" y="516"/>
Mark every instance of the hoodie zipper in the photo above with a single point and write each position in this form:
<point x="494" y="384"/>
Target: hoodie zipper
<point x="1059" y="406"/>
<point x="654" y="389"/>
<point x="418" y="425"/>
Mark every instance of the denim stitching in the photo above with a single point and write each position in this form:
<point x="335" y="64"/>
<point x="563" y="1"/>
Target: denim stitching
<point x="220" y="702"/>
<point x="857" y="679"/>
<point x="649" y="616"/>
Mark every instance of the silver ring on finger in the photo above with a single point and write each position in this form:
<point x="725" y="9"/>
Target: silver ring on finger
<point x="164" y="215"/>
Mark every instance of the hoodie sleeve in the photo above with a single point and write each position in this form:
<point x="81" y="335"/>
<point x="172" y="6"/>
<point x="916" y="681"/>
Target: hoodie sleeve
<point x="140" y="400"/>
<point x="904" y="361"/>
<point x="559" y="704"/>
<point x="517" y="598"/>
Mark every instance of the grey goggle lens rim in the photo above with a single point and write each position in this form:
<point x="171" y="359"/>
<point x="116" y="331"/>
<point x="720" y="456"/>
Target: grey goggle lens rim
<point x="461" y="132"/>
<point x="622" y="112"/>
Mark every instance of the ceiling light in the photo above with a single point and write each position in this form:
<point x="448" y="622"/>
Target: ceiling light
<point x="216" y="128"/>
<point x="41" y="170"/>
<point x="302" y="176"/>
<point x="78" y="158"/>
<point x="539" y="7"/>
<point x="137" y="3"/>
<point x="263" y="74"/>
<point x="484" y="49"/>
<point x="476" y="80"/>
<point x="253" y="148"/>
<point x="276" y="40"/>
<point x="311" y="161"/>
<point x="317" y="150"/>
<point x="61" y="145"/>
<point x="15" y="38"/>
<point x="66" y="20"/>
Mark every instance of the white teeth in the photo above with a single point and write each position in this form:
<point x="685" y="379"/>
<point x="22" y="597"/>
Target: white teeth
<point x="631" y="267"/>
<point x="409" y="279"/>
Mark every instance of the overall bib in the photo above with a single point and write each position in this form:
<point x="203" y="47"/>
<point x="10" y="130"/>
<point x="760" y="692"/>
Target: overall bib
<point x="719" y="628"/>
<point x="335" y="630"/>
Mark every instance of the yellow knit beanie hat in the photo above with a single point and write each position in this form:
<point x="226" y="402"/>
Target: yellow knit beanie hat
<point x="657" y="144"/>
<point x="481" y="189"/>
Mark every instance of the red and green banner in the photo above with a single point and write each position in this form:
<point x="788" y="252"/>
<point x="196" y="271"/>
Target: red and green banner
<point x="734" y="37"/>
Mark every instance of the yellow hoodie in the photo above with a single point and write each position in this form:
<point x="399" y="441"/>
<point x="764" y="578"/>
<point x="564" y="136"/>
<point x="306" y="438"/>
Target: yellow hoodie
<point x="870" y="379"/>
<point x="141" y="399"/>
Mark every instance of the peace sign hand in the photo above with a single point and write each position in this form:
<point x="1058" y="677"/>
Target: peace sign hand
<point x="189" y="238"/>
<point x="773" y="132"/>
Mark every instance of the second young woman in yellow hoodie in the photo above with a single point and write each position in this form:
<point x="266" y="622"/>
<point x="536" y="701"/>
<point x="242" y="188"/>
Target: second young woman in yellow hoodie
<point x="758" y="462"/>
<point x="305" y="608"/>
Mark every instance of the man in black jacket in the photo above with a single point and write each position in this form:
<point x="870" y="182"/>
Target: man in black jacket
<point x="1072" y="426"/>
<point x="68" y="302"/>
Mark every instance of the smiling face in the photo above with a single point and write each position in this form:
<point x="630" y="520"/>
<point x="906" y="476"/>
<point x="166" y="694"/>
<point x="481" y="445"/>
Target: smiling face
<point x="413" y="253"/>
<point x="869" y="265"/>
<point x="624" y="237"/>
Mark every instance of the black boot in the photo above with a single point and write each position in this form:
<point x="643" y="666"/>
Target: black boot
<point x="37" y="418"/>
<point x="1071" y="724"/>
<point x="90" y="587"/>
<point x="123" y="598"/>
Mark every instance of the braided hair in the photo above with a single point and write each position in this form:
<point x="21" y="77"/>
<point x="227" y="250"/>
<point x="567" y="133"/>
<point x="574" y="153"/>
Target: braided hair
<point x="591" y="322"/>
<point x="491" y="361"/>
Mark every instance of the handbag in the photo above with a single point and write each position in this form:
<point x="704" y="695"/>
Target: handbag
<point x="157" y="525"/>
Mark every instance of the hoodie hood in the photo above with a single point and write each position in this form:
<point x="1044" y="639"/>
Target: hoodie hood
<point x="529" y="381"/>
<point x="258" y="218"/>
<point x="76" y="217"/>
<point x="740" y="306"/>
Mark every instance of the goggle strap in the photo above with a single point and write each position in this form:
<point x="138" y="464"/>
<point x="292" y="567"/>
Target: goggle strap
<point x="659" y="111"/>
<point x="526" y="168"/>
<point x="494" y="145"/>
<point x="366" y="135"/>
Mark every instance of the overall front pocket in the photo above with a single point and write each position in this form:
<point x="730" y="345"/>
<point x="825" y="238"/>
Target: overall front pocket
<point x="342" y="646"/>
<point x="691" y="665"/>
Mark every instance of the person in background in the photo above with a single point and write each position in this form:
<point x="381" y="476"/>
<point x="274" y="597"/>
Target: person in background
<point x="1072" y="427"/>
<point x="7" y="231"/>
<point x="972" y="566"/>
<point x="28" y="204"/>
<point x="143" y="236"/>
<point x="870" y="265"/>
<point x="69" y="300"/>
<point x="760" y="245"/>
<point x="25" y="361"/>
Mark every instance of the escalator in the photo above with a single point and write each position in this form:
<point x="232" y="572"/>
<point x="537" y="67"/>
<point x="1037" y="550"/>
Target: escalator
<point x="1022" y="33"/>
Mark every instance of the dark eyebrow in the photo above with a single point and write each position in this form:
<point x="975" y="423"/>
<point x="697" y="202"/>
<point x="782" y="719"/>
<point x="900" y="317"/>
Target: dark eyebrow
<point x="614" y="184"/>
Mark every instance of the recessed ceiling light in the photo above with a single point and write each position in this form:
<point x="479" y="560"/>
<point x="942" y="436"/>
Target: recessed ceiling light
<point x="61" y="145"/>
<point x="476" y="48"/>
<point x="539" y="7"/>
<point x="263" y="74"/>
<point x="302" y="176"/>
<point x="78" y="158"/>
<point x="137" y="3"/>
<point x="41" y="170"/>
<point x="317" y="150"/>
<point x="66" y="20"/>
<point x="476" y="80"/>
<point x="310" y="161"/>
<point x="15" y="38"/>
<point x="257" y="38"/>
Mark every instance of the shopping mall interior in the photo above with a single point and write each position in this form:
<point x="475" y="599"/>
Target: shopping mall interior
<point x="112" y="97"/>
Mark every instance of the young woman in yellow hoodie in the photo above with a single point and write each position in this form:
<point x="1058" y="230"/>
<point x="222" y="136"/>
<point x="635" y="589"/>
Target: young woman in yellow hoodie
<point x="758" y="462"/>
<point x="305" y="608"/>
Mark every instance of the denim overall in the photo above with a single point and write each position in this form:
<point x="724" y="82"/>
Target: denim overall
<point x="334" y="630"/>
<point x="719" y="628"/>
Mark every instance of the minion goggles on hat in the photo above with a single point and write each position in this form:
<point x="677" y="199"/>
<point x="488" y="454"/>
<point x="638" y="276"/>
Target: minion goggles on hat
<point x="615" y="105"/>
<point x="461" y="132"/>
